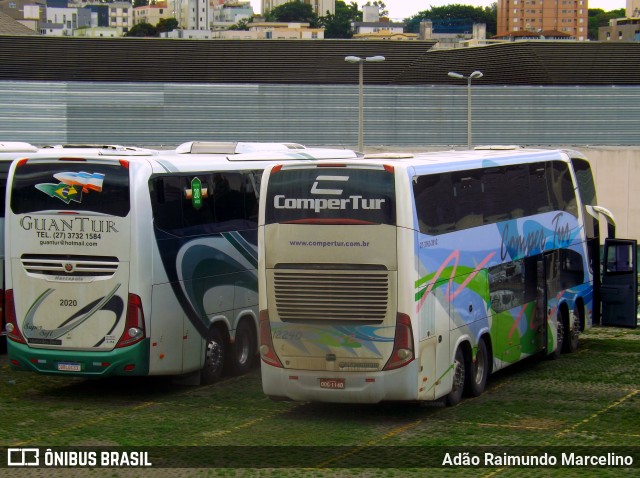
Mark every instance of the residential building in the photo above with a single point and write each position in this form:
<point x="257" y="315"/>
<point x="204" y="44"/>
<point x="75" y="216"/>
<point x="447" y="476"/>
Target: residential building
<point x="456" y="36"/>
<point x="620" y="29"/>
<point x="9" y="26"/>
<point x="151" y="14"/>
<point x="566" y="16"/>
<point x="62" y="21"/>
<point x="320" y="7"/>
<point x="121" y="16"/>
<point x="98" y="32"/>
<point x="285" y="31"/>
<point x="226" y="14"/>
<point x="371" y="28"/>
<point x="26" y="12"/>
<point x="623" y="29"/>
<point x="194" y="14"/>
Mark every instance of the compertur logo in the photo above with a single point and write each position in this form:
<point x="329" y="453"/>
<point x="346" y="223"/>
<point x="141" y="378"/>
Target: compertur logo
<point x="316" y="190"/>
<point x="353" y="202"/>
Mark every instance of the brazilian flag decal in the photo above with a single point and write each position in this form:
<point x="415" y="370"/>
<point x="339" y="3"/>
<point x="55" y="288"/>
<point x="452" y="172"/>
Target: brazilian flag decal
<point x="64" y="192"/>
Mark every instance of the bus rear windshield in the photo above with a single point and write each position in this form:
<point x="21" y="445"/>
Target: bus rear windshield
<point x="70" y="186"/>
<point x="331" y="195"/>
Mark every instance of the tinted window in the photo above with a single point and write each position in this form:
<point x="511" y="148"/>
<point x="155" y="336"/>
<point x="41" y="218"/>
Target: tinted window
<point x="229" y="203"/>
<point x="4" y="169"/>
<point x="72" y="186"/>
<point x="513" y="284"/>
<point x="318" y="195"/>
<point x="586" y="185"/>
<point x="460" y="200"/>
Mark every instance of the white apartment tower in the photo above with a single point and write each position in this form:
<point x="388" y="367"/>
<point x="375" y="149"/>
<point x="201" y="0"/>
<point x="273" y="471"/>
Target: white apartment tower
<point x="320" y="7"/>
<point x="193" y="14"/>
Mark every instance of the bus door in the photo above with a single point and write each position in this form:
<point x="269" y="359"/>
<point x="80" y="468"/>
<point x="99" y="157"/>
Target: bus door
<point x="619" y="288"/>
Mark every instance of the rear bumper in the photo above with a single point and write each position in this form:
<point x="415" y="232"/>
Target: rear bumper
<point x="359" y="387"/>
<point x="133" y="360"/>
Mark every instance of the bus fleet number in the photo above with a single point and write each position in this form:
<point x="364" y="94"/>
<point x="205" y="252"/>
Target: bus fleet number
<point x="68" y="303"/>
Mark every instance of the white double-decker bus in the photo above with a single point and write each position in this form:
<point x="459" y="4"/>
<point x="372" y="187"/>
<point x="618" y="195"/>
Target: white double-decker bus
<point x="137" y="264"/>
<point x="391" y="278"/>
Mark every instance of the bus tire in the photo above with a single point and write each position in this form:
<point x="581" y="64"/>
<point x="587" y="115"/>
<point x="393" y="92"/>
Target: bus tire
<point x="572" y="334"/>
<point x="214" y="356"/>
<point x="559" y="338"/>
<point x="459" y="373"/>
<point x="478" y="371"/>
<point x="243" y="350"/>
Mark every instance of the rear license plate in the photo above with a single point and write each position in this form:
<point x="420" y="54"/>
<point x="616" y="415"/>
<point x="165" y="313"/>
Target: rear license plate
<point x="69" y="367"/>
<point x="334" y="383"/>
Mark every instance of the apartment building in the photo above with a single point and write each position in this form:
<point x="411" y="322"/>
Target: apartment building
<point x="121" y="16"/>
<point x="566" y="16"/>
<point x="320" y="7"/>
<point x="151" y="14"/>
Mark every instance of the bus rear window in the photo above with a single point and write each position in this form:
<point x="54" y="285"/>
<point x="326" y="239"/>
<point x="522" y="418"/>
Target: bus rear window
<point x="331" y="195"/>
<point x="73" y="186"/>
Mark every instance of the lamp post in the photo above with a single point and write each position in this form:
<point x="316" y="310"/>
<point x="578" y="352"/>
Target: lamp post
<point x="475" y="75"/>
<point x="360" y="61"/>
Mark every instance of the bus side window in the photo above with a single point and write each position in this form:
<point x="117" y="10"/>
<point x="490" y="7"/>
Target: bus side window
<point x="494" y="197"/>
<point x="561" y="186"/>
<point x="251" y="196"/>
<point x="517" y="184"/>
<point x="166" y="202"/>
<point x="433" y="195"/>
<point x="467" y="191"/>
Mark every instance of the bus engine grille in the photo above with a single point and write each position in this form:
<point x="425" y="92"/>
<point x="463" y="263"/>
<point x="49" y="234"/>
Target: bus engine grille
<point x="69" y="265"/>
<point x="342" y="295"/>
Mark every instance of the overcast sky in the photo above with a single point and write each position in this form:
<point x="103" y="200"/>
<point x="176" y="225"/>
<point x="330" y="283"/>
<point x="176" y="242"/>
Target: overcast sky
<point x="401" y="9"/>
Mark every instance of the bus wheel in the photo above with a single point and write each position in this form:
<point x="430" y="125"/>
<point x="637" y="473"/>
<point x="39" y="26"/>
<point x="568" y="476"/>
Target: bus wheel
<point x="479" y="371"/>
<point x="572" y="335"/>
<point x="559" y="338"/>
<point x="244" y="348"/>
<point x="459" y="373"/>
<point x="214" y="357"/>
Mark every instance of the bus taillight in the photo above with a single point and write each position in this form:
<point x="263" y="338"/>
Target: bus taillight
<point x="403" y="351"/>
<point x="134" y="330"/>
<point x="266" y="343"/>
<point x="13" y="332"/>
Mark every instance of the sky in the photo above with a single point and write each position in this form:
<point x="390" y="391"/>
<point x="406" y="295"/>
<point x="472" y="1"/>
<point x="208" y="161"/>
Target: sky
<point x="401" y="9"/>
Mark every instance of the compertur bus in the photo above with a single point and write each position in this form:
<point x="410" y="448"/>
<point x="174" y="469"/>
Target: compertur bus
<point x="413" y="278"/>
<point x="141" y="264"/>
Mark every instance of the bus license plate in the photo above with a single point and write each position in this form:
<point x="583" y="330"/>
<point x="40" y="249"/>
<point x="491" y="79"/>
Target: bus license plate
<point x="69" y="367"/>
<point x="334" y="383"/>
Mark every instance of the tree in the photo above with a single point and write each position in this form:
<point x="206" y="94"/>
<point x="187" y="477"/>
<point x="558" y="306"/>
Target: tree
<point x="294" y="11"/>
<point x="382" y="7"/>
<point x="599" y="18"/>
<point x="456" y="16"/>
<point x="166" y="25"/>
<point x="243" y="24"/>
<point x="140" y="3"/>
<point x="142" y="30"/>
<point x="338" y="25"/>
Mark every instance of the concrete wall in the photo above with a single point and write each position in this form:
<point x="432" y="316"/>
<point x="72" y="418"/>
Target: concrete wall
<point x="617" y="175"/>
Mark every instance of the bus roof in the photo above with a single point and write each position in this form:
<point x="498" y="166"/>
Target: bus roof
<point x="232" y="147"/>
<point x="437" y="161"/>
<point x="16" y="147"/>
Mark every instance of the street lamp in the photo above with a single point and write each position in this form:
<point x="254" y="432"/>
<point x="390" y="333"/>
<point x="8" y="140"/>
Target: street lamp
<point x="473" y="76"/>
<point x="360" y="61"/>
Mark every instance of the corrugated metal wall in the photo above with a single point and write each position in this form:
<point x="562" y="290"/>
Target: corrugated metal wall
<point x="155" y="114"/>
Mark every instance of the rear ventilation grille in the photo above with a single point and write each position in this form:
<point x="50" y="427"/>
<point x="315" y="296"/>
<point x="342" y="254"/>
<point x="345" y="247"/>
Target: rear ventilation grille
<point x="69" y="265"/>
<point x="343" y="295"/>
